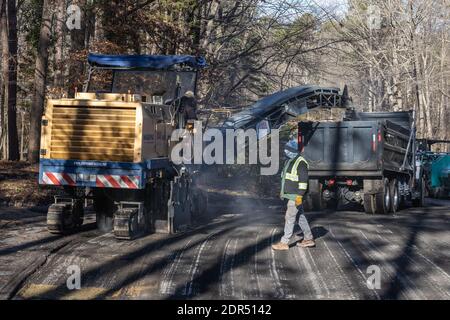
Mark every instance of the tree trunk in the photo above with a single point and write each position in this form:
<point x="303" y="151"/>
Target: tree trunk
<point x="99" y="34"/>
<point x="13" y="140"/>
<point x="40" y="77"/>
<point x="4" y="76"/>
<point x="207" y="39"/>
<point x="77" y="43"/>
<point x="59" y="45"/>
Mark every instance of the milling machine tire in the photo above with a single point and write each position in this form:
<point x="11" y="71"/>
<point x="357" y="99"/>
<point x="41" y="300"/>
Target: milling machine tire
<point x="126" y="224"/>
<point x="58" y="218"/>
<point x="63" y="217"/>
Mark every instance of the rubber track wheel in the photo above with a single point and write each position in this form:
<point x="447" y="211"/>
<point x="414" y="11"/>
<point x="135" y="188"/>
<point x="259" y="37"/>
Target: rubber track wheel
<point x="56" y="218"/>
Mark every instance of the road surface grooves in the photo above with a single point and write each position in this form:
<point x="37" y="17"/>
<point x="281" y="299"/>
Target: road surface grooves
<point x="231" y="258"/>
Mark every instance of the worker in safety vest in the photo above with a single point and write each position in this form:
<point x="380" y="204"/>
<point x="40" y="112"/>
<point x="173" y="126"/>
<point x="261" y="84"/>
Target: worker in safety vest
<point x="294" y="185"/>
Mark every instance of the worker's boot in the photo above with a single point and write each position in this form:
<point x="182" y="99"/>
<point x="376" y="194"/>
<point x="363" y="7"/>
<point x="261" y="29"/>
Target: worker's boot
<point x="306" y="243"/>
<point x="280" y="246"/>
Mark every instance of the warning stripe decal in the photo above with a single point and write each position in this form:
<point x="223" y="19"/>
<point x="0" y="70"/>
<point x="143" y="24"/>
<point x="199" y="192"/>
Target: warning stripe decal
<point x="101" y="180"/>
<point x="114" y="181"/>
<point x="59" y="179"/>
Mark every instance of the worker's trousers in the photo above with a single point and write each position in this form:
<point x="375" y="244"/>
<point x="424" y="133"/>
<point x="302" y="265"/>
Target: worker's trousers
<point x="292" y="214"/>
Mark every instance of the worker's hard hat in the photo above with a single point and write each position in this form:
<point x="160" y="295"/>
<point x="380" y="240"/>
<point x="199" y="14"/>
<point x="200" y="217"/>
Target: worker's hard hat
<point x="291" y="149"/>
<point x="189" y="94"/>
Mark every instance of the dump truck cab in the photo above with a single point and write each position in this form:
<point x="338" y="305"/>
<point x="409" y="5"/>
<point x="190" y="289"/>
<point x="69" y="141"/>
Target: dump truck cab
<point x="115" y="146"/>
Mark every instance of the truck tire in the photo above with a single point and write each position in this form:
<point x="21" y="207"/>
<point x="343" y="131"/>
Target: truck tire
<point x="307" y="203"/>
<point x="383" y="199"/>
<point x="315" y="193"/>
<point x="331" y="204"/>
<point x="420" y="201"/>
<point x="442" y="193"/>
<point x="394" y="195"/>
<point x="434" y="193"/>
<point x="369" y="203"/>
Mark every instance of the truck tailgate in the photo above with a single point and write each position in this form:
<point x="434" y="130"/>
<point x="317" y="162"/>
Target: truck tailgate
<point x="340" y="146"/>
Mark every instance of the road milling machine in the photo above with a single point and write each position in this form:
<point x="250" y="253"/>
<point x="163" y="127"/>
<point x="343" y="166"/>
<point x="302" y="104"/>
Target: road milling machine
<point x="114" y="147"/>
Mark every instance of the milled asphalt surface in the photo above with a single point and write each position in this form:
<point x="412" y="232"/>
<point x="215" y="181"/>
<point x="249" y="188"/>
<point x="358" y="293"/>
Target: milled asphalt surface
<point x="230" y="257"/>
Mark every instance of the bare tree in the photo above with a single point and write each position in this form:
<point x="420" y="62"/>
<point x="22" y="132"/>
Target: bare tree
<point x="4" y="77"/>
<point x="40" y="77"/>
<point x="13" y="141"/>
<point x="59" y="43"/>
<point x="77" y="45"/>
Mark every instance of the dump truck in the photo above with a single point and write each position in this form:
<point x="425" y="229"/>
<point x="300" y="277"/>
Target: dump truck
<point x="369" y="158"/>
<point x="113" y="148"/>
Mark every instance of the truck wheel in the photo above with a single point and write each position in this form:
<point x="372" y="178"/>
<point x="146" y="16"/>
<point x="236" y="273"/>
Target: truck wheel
<point x="394" y="195"/>
<point x="442" y="193"/>
<point x="369" y="203"/>
<point x="383" y="199"/>
<point x="433" y="193"/>
<point x="331" y="204"/>
<point x="420" y="201"/>
<point x="307" y="203"/>
<point x="317" y="202"/>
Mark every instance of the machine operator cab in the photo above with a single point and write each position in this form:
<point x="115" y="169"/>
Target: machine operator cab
<point x="166" y="84"/>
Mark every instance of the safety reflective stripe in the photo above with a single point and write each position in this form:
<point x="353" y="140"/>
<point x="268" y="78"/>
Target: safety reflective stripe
<point x="303" y="185"/>
<point x="295" y="166"/>
<point x="292" y="177"/>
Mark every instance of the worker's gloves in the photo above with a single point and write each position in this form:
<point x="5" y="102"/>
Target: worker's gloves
<point x="298" y="201"/>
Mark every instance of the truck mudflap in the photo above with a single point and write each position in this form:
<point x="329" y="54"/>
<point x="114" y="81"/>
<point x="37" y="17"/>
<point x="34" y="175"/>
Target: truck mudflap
<point x="99" y="174"/>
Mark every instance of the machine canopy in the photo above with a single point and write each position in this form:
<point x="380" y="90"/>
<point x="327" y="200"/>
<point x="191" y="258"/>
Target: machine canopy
<point x="149" y="62"/>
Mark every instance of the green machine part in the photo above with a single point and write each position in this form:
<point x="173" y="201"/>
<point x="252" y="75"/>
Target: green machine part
<point x="440" y="172"/>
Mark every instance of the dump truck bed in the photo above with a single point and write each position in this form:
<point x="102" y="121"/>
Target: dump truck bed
<point x="355" y="148"/>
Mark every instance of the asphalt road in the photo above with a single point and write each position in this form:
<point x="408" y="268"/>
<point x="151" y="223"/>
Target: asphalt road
<point x="230" y="257"/>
